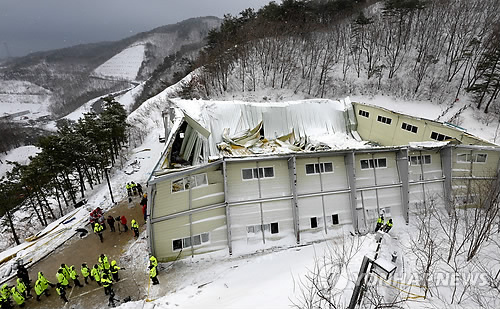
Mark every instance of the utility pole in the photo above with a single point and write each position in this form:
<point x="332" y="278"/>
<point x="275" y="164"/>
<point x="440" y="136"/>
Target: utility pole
<point x="109" y="184"/>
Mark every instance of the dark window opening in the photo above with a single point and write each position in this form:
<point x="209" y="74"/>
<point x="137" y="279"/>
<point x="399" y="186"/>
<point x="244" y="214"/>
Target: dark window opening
<point x="314" y="222"/>
<point x="274" y="228"/>
<point x="177" y="244"/>
<point x="335" y="219"/>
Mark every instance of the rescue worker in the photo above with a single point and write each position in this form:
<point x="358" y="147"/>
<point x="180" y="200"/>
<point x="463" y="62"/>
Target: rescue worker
<point x="18" y="298"/>
<point x="44" y="281"/>
<point x="5" y="296"/>
<point x="153" y="261"/>
<point x="65" y="270"/>
<point x="134" y="187"/>
<point x="114" y="270"/>
<point x="98" y="230"/>
<point x="103" y="260"/>
<point x="135" y="227"/>
<point x="22" y="273"/>
<point x="62" y="279"/>
<point x="380" y="223"/>
<point x="139" y="189"/>
<point x="85" y="272"/>
<point x="21" y="287"/>
<point x="388" y="226"/>
<point x="41" y="287"/>
<point x="96" y="274"/>
<point x="74" y="276"/>
<point x="153" y="274"/>
<point x="129" y="189"/>
<point x="62" y="293"/>
<point x="106" y="283"/>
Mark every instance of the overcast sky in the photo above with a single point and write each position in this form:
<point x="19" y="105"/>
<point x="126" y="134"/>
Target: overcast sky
<point x="33" y="25"/>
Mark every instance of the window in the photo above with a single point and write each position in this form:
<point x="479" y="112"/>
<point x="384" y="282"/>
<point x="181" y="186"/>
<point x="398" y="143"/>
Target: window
<point x="474" y="158"/>
<point x="254" y="173"/>
<point x="314" y="222"/>
<point x="274" y="228"/>
<point x="196" y="240"/>
<point x="409" y="127"/>
<point x="440" y="137"/>
<point x="364" y="113"/>
<point x="419" y="160"/>
<point x="316" y="168"/>
<point x="188" y="182"/>
<point x="335" y="219"/>
<point x="384" y="119"/>
<point x="177" y="244"/>
<point x="373" y="163"/>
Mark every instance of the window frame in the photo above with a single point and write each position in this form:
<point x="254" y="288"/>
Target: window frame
<point x="258" y="170"/>
<point x="373" y="164"/>
<point x="419" y="159"/>
<point x="472" y="158"/>
<point x="319" y="166"/>
<point x="184" y="182"/>
<point x="364" y="113"/>
<point x="190" y="241"/>
<point x="445" y="137"/>
<point x="409" y="127"/>
<point x="384" y="119"/>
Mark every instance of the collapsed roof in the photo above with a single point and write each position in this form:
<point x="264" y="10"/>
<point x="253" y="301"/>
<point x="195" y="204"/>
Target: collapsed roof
<point x="201" y="131"/>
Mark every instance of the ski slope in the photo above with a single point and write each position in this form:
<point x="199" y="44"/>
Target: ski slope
<point x="125" y="65"/>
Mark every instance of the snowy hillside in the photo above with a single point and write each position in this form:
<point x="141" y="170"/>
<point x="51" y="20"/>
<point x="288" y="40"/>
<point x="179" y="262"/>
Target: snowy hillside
<point x="18" y="96"/>
<point x="20" y="155"/>
<point x="124" y="65"/>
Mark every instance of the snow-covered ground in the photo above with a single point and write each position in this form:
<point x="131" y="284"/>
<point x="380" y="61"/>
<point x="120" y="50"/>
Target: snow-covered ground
<point x="20" y="155"/>
<point x="17" y="96"/>
<point x="124" y="65"/>
<point x="270" y="279"/>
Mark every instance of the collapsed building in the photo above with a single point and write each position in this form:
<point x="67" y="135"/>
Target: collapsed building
<point x="242" y="176"/>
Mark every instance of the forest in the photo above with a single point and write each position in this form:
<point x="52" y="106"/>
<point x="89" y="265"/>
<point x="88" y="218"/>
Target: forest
<point x="410" y="49"/>
<point x="75" y="157"/>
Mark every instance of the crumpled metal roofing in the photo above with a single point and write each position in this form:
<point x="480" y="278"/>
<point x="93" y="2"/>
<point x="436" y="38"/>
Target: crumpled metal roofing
<point x="240" y="122"/>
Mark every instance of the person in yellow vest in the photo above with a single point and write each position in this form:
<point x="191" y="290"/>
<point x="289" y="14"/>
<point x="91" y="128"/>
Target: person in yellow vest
<point x="388" y="226"/>
<point x="41" y="287"/>
<point x="18" y="298"/>
<point x="96" y="274"/>
<point x="62" y="292"/>
<point x="380" y="223"/>
<point x="21" y="287"/>
<point x="106" y="283"/>
<point x="62" y="279"/>
<point x="85" y="272"/>
<point x="129" y="189"/>
<point x="153" y="261"/>
<point x="65" y="270"/>
<point x="103" y="260"/>
<point x="135" y="227"/>
<point x="74" y="276"/>
<point x="44" y="280"/>
<point x="114" y="270"/>
<point x="134" y="187"/>
<point x="153" y="275"/>
<point x="98" y="230"/>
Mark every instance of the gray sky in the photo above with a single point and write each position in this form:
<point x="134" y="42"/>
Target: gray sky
<point x="33" y="25"/>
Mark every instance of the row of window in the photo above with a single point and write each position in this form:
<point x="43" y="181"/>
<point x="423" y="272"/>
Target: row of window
<point x="189" y="182"/>
<point x="196" y="240"/>
<point x="269" y="227"/>
<point x="316" y="221"/>
<point x="198" y="180"/>
<point x="406" y="126"/>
